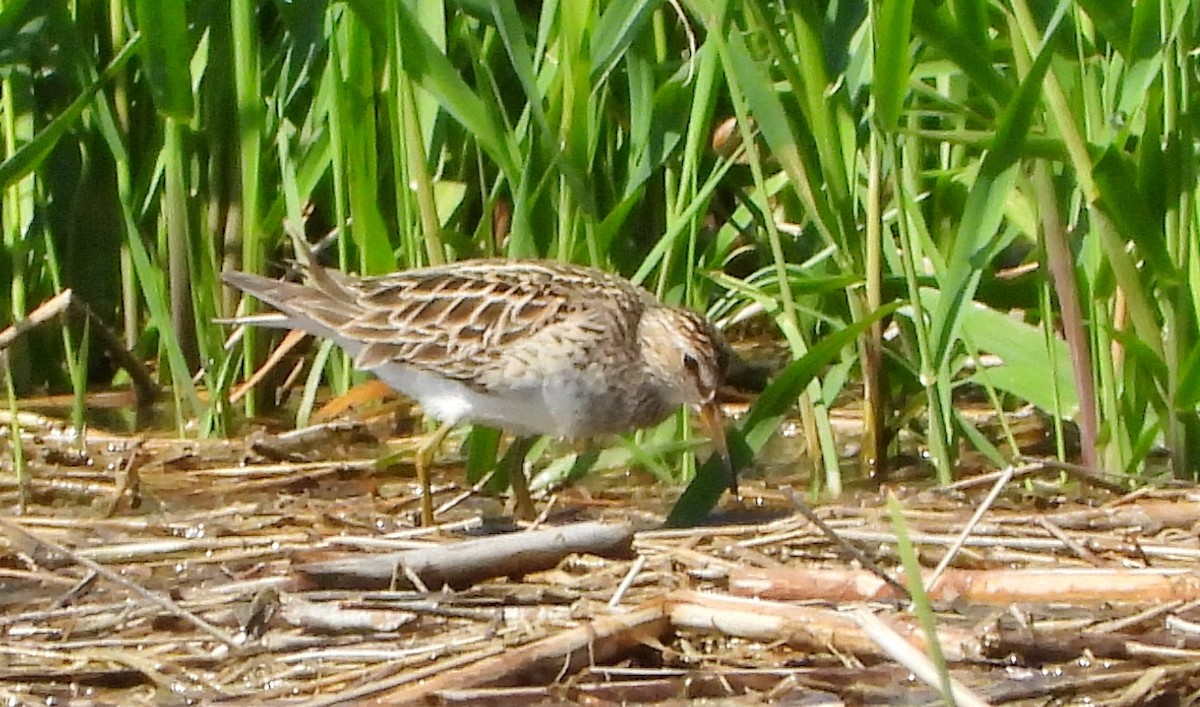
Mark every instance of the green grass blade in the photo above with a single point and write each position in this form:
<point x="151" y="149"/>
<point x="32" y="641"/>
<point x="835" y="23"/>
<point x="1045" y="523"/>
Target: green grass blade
<point x="916" y="589"/>
<point x="892" y="60"/>
<point x="166" y="52"/>
<point x="763" y="420"/>
<point x="430" y="68"/>
<point x="973" y="246"/>
<point x="31" y="155"/>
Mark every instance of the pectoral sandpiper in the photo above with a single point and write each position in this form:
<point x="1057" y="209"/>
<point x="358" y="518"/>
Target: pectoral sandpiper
<point x="530" y="347"/>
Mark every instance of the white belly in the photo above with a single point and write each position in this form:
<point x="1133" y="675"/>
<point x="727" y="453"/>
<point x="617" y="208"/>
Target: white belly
<point x="522" y="412"/>
<point x="572" y="405"/>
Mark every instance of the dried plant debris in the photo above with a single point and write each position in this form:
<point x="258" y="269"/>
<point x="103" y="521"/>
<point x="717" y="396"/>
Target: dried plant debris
<point x="152" y="571"/>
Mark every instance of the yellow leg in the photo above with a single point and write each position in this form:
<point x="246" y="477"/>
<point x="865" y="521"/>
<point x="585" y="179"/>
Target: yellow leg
<point x="424" y="458"/>
<point x="514" y="458"/>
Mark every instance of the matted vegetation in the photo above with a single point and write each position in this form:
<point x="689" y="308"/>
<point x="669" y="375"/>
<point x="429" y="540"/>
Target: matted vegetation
<point x="211" y="571"/>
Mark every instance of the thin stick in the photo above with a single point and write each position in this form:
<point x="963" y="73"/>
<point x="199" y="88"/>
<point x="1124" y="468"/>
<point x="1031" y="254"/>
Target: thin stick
<point x="1103" y="479"/>
<point x="26" y="538"/>
<point x="848" y="550"/>
<point x="290" y="341"/>
<point x="66" y="303"/>
<point x="145" y="388"/>
<point x="634" y="570"/>
<point x="44" y="312"/>
<point x="966" y="531"/>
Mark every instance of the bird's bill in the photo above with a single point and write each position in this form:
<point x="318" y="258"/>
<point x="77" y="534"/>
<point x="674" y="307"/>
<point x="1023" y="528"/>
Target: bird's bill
<point x="714" y="427"/>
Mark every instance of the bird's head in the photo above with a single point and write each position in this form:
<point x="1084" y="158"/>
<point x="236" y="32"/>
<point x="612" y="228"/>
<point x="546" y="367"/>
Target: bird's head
<point x="688" y="357"/>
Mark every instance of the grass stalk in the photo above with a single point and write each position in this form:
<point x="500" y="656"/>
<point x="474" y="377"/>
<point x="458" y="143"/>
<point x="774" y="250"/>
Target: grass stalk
<point x="250" y="124"/>
<point x="920" y="598"/>
<point x="16" y="443"/>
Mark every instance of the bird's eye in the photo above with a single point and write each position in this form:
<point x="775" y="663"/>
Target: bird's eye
<point x="704" y="385"/>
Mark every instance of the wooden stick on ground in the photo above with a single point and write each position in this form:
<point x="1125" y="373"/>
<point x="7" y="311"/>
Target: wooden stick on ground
<point x="998" y="587"/>
<point x="805" y="628"/>
<point x="465" y="563"/>
<point x="561" y="653"/>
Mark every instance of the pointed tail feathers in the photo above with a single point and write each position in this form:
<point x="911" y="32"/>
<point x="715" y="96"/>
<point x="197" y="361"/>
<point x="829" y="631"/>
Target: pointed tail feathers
<point x="295" y="302"/>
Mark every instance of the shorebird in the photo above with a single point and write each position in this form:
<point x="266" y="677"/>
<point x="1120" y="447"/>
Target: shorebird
<point x="528" y="346"/>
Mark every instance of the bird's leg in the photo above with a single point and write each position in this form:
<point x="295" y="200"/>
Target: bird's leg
<point x="514" y="463"/>
<point x="423" y="461"/>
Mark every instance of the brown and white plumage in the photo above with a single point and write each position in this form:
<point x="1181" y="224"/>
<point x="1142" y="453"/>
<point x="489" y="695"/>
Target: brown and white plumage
<point x="532" y="347"/>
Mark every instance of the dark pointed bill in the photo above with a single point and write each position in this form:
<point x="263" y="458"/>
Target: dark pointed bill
<point x="714" y="427"/>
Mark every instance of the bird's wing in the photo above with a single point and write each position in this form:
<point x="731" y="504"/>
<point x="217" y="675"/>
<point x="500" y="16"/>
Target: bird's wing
<point x="465" y="320"/>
